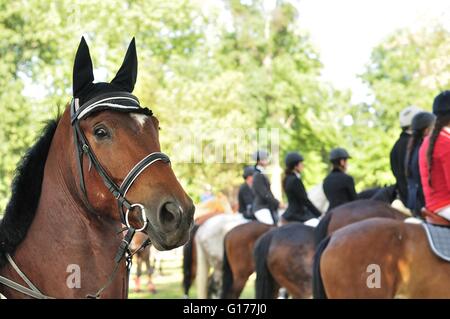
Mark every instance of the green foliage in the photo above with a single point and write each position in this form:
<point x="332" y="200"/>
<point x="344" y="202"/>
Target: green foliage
<point x="213" y="70"/>
<point x="408" y="68"/>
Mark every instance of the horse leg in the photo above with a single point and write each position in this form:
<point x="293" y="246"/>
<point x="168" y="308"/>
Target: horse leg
<point x="202" y="271"/>
<point x="149" y="269"/>
<point x="214" y="293"/>
<point x="137" y="280"/>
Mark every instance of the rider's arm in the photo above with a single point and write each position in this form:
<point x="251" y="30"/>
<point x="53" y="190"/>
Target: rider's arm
<point x="300" y="192"/>
<point x="351" y="189"/>
<point x="247" y="197"/>
<point x="260" y="188"/>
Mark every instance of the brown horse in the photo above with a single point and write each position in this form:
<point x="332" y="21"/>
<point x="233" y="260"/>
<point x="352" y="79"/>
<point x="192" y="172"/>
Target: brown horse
<point x="294" y="250"/>
<point x="238" y="262"/>
<point x="62" y="227"/>
<point x="353" y="212"/>
<point x="379" y="258"/>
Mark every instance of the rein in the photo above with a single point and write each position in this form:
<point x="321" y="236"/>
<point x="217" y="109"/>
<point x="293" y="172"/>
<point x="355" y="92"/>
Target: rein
<point x="123" y="102"/>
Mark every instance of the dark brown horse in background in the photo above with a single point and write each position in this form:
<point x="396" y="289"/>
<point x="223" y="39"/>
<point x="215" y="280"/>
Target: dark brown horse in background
<point x="53" y="230"/>
<point x="238" y="262"/>
<point x="398" y="253"/>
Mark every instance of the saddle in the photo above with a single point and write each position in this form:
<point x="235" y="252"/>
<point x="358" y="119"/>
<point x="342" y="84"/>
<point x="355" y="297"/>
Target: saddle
<point x="437" y="229"/>
<point x="434" y="219"/>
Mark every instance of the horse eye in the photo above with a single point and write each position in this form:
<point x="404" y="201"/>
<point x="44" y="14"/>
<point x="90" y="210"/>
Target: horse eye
<point x="100" y="132"/>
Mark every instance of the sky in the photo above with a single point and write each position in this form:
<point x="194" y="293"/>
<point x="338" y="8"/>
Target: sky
<point x="345" y="32"/>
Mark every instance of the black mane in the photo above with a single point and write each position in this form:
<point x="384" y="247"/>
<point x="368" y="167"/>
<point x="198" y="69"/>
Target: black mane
<point x="25" y="193"/>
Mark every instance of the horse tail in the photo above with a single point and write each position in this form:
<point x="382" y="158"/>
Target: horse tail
<point x="321" y="231"/>
<point x="318" y="288"/>
<point x="187" y="262"/>
<point x="227" y="274"/>
<point x="264" y="284"/>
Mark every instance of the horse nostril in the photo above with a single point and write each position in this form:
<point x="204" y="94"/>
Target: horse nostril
<point x="169" y="215"/>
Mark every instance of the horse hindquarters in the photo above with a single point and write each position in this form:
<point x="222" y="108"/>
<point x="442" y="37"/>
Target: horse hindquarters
<point x="362" y="260"/>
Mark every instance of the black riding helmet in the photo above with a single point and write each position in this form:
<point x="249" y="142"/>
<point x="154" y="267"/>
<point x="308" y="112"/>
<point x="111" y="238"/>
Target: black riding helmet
<point x="422" y="120"/>
<point x="441" y="104"/>
<point x="248" y="171"/>
<point x="292" y="159"/>
<point x="338" y="153"/>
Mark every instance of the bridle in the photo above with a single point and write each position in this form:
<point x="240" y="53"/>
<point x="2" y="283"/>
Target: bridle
<point x="122" y="102"/>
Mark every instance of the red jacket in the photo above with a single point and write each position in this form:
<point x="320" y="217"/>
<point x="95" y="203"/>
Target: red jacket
<point x="438" y="195"/>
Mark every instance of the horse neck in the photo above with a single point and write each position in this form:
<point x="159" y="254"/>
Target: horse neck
<point x="64" y="235"/>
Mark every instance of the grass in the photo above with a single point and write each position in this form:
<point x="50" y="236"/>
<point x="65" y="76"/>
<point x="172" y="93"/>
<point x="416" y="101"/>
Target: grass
<point x="169" y="283"/>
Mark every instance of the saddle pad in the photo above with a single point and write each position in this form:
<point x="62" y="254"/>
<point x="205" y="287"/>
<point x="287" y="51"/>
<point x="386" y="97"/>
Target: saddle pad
<point x="439" y="240"/>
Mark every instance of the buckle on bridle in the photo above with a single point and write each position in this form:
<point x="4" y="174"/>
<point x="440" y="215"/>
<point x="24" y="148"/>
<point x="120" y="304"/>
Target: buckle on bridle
<point x="143" y="216"/>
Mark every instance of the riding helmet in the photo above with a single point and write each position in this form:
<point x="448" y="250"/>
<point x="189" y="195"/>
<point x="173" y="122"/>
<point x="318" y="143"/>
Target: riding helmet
<point x="422" y="120"/>
<point x="248" y="171"/>
<point x="292" y="159"/>
<point x="441" y="104"/>
<point x="407" y="114"/>
<point x="338" y="153"/>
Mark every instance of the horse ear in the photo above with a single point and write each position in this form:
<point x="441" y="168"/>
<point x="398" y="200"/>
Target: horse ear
<point x="127" y="74"/>
<point x="83" y="74"/>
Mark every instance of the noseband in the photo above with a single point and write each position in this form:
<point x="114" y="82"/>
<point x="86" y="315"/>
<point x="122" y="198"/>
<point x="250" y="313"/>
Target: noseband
<point x="122" y="102"/>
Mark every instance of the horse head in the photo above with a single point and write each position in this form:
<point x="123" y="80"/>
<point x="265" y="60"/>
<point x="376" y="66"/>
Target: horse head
<point x="119" y="165"/>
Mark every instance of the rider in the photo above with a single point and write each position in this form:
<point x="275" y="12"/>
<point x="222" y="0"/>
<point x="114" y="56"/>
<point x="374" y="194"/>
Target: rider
<point x="434" y="160"/>
<point x="339" y="188"/>
<point x="300" y="208"/>
<point x="398" y="152"/>
<point x="245" y="195"/>
<point x="264" y="199"/>
<point x="421" y="126"/>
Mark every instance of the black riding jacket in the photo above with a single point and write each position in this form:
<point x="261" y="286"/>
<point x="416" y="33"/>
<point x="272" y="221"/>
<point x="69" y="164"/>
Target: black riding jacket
<point x="263" y="195"/>
<point x="339" y="188"/>
<point x="416" y="199"/>
<point x="300" y="208"/>
<point x="245" y="199"/>
<point x="397" y="157"/>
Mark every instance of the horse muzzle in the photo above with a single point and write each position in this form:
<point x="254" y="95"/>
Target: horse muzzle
<point x="170" y="226"/>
